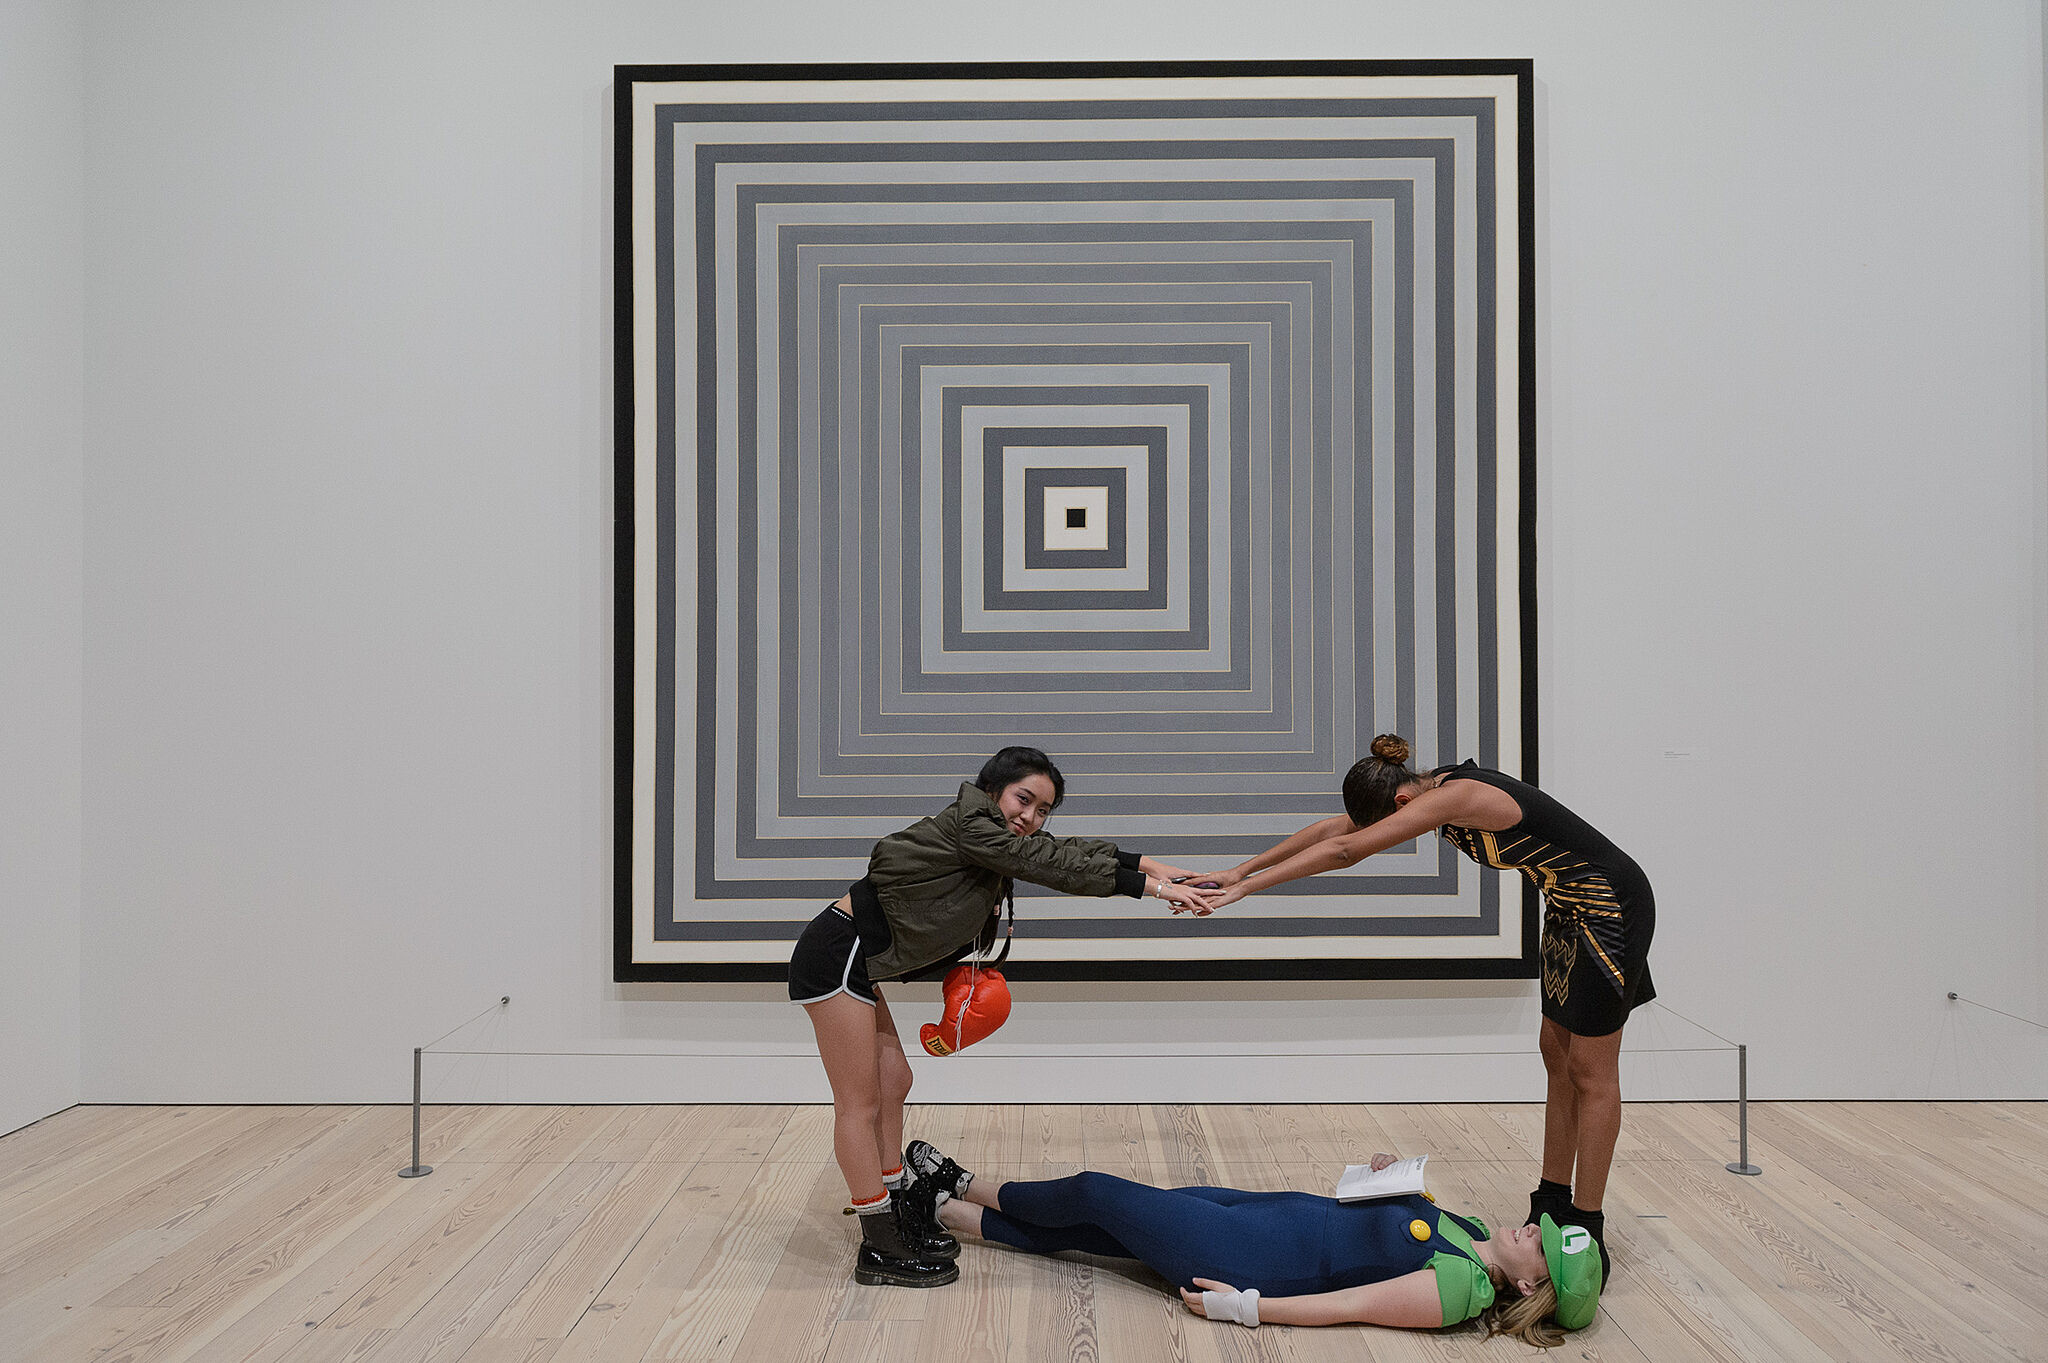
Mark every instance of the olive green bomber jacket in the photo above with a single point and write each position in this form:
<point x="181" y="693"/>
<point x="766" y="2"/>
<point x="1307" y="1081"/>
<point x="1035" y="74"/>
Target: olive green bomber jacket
<point x="936" y="885"/>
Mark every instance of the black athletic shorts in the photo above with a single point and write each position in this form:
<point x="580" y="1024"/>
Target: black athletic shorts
<point x="828" y="960"/>
<point x="1578" y="992"/>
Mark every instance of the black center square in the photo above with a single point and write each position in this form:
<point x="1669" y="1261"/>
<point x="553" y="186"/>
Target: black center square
<point x="1077" y="518"/>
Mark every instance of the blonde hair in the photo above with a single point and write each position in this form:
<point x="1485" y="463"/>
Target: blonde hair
<point x="1527" y="1318"/>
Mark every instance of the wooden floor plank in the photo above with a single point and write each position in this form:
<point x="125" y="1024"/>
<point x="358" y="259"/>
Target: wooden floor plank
<point x="1879" y="1231"/>
<point x="1180" y="1144"/>
<point x="1977" y="1227"/>
<point x="494" y="1350"/>
<point x="630" y="1309"/>
<point x="305" y="1291"/>
<point x="1939" y="1141"/>
<point x="1114" y="1140"/>
<point x="1910" y="1267"/>
<point x="796" y="1311"/>
<point x="61" y="1135"/>
<point x="2032" y="1117"/>
<point x="942" y="1124"/>
<point x="92" y="1178"/>
<point x="706" y="1323"/>
<point x="186" y="1197"/>
<point x="564" y="1287"/>
<point x="806" y="1129"/>
<point x="227" y="1275"/>
<point x="457" y="1315"/>
<point x="418" y="1270"/>
<point x="872" y="1341"/>
<point x="307" y="1181"/>
<point x="990" y="1134"/>
<point x="1052" y="1138"/>
<point x="1816" y="1282"/>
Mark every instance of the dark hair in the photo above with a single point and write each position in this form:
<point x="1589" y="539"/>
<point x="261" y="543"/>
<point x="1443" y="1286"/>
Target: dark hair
<point x="1013" y="764"/>
<point x="1370" y="784"/>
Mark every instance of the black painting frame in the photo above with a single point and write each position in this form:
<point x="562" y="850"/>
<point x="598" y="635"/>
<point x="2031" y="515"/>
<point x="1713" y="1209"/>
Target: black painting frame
<point x="626" y="967"/>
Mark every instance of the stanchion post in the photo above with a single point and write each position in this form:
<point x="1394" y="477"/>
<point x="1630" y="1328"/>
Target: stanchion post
<point x="416" y="1169"/>
<point x="1742" y="1166"/>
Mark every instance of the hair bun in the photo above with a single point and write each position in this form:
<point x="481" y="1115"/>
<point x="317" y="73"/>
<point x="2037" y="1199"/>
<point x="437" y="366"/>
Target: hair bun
<point x="1391" y="748"/>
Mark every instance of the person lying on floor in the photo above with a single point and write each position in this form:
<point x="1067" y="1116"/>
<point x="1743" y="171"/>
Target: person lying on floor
<point x="1290" y="1258"/>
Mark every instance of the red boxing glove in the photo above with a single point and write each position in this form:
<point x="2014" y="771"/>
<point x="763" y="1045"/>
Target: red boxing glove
<point x="977" y="1002"/>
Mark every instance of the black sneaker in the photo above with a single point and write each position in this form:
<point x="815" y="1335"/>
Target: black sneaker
<point x="885" y="1255"/>
<point x="925" y="1160"/>
<point x="921" y="1226"/>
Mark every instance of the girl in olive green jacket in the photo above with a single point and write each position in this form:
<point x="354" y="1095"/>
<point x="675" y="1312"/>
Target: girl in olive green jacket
<point x="931" y="893"/>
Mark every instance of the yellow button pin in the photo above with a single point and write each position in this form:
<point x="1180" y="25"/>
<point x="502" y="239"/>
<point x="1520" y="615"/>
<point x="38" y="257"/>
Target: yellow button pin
<point x="1419" y="1228"/>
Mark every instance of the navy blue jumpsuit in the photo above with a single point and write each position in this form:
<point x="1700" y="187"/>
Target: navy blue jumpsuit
<point x="1283" y="1244"/>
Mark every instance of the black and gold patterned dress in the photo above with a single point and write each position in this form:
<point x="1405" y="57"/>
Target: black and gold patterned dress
<point x="1598" y="912"/>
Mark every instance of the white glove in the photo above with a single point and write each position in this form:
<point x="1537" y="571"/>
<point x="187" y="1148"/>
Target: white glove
<point x="1242" y="1307"/>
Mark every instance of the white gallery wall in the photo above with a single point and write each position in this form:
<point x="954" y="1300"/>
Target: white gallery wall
<point x="347" y="584"/>
<point x="42" y="450"/>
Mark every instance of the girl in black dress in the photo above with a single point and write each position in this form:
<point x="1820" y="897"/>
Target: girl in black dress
<point x="1598" y="916"/>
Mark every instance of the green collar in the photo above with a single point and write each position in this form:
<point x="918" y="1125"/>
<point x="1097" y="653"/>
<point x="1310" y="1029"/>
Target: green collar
<point x="1448" y="1228"/>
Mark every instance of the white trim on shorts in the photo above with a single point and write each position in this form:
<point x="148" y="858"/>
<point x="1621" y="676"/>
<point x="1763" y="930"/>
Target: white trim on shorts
<point x="844" y="976"/>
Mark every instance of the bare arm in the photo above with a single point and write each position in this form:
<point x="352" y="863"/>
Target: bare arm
<point x="1308" y="837"/>
<point x="1452" y="802"/>
<point x="1410" y="1301"/>
<point x="1151" y="866"/>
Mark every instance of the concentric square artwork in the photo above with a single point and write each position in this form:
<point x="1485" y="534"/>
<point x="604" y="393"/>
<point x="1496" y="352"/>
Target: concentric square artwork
<point x="1173" y="419"/>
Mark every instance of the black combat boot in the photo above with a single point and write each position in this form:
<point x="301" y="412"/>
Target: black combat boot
<point x="924" y="1159"/>
<point x="920" y="1199"/>
<point x="886" y="1255"/>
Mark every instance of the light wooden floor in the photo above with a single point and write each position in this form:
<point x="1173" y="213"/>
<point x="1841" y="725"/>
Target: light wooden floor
<point x="545" y="1235"/>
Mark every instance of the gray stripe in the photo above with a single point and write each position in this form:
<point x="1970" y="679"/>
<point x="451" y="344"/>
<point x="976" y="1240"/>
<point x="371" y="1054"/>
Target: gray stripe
<point x="968" y="111"/>
<point x="1362" y="702"/>
<point x="1445" y="596"/>
<point x="1485" y="923"/>
<point x="1039" y="551"/>
<point x="743" y="574"/>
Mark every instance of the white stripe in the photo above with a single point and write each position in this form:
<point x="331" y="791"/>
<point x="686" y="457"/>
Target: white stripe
<point x="844" y="976"/>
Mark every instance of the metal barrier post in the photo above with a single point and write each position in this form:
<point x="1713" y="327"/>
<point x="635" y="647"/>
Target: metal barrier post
<point x="416" y="1169"/>
<point x="1742" y="1166"/>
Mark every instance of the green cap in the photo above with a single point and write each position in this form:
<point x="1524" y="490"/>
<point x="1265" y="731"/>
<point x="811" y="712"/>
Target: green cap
<point x="1574" y="1270"/>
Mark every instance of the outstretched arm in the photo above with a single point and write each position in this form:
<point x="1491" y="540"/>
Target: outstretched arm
<point x="1280" y="851"/>
<point x="1452" y="802"/>
<point x="1069" y="865"/>
<point x="1411" y="1301"/>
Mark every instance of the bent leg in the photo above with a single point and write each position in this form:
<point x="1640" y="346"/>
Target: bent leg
<point x="978" y="1212"/>
<point x="1179" y="1236"/>
<point x="1007" y="1230"/>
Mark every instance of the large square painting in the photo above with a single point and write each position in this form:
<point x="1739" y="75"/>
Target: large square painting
<point x="1174" y="419"/>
